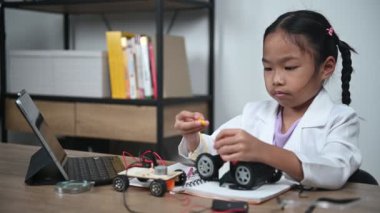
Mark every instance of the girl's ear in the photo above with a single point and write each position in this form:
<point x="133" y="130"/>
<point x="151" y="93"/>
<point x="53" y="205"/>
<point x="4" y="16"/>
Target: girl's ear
<point x="328" y="67"/>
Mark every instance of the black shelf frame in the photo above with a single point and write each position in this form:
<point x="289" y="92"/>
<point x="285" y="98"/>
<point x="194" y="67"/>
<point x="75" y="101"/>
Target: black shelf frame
<point x="137" y="102"/>
<point x="72" y="7"/>
<point x="3" y="86"/>
<point x="106" y="6"/>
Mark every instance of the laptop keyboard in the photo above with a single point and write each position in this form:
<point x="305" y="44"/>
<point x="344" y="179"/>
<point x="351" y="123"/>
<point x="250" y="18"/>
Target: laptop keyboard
<point x="101" y="170"/>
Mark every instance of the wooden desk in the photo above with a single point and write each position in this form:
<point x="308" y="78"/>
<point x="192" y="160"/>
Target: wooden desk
<point x="15" y="196"/>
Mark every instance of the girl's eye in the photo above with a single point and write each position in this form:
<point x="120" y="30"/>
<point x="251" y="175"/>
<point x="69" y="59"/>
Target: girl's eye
<point x="267" y="69"/>
<point x="290" y="68"/>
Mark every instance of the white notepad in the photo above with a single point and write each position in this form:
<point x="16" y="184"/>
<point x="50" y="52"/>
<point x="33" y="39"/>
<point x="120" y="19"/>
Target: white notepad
<point x="211" y="189"/>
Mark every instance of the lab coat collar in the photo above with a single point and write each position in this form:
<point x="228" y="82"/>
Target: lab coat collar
<point x="316" y="115"/>
<point x="319" y="110"/>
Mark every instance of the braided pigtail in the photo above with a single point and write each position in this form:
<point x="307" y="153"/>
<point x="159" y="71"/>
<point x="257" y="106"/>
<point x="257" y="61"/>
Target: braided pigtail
<point x="347" y="69"/>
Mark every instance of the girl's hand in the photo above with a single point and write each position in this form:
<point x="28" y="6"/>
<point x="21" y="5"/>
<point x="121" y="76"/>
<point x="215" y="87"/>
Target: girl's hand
<point x="189" y="124"/>
<point x="238" y="145"/>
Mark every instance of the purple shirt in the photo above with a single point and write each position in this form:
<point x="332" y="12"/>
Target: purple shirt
<point x="279" y="138"/>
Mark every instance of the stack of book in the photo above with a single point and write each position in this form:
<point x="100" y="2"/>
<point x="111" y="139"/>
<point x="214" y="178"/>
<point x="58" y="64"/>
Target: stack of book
<point x="133" y="71"/>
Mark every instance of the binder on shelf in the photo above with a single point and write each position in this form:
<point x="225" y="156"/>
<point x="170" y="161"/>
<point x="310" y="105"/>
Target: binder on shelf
<point x="176" y="70"/>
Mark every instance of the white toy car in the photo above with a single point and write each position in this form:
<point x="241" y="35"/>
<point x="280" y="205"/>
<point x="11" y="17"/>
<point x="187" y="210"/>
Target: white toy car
<point x="162" y="179"/>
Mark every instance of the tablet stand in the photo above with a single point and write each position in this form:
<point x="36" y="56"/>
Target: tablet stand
<point x="42" y="170"/>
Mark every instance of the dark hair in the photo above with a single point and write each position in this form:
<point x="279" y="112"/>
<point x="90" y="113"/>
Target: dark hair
<point x="315" y="29"/>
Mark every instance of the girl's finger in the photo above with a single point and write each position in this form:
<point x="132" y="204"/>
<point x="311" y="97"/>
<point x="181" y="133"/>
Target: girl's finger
<point x="225" y="133"/>
<point x="185" y="115"/>
<point x="230" y="157"/>
<point x="198" y="115"/>
<point x="225" y="141"/>
<point x="193" y="130"/>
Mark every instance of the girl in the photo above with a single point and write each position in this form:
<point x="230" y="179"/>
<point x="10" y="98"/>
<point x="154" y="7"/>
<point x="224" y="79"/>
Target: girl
<point x="301" y="132"/>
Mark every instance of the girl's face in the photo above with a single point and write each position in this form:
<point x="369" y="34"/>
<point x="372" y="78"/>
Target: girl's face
<point x="289" y="72"/>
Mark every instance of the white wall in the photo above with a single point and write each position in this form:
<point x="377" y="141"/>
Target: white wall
<point x="32" y="30"/>
<point x="238" y="69"/>
<point x="239" y="78"/>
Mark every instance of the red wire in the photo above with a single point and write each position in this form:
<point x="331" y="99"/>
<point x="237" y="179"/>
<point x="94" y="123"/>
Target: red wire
<point x="155" y="154"/>
<point x="144" y="153"/>
<point x="124" y="153"/>
<point x="159" y="158"/>
<point x="130" y="155"/>
<point x="124" y="160"/>
<point x="141" y="159"/>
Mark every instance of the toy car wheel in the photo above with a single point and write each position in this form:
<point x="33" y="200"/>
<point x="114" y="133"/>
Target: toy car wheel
<point x="208" y="166"/>
<point x="276" y="176"/>
<point x="158" y="188"/>
<point x="244" y="176"/>
<point x="181" y="179"/>
<point x="120" y="183"/>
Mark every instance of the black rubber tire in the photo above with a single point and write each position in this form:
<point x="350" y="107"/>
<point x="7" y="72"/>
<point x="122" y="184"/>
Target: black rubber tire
<point x="120" y="183"/>
<point x="181" y="179"/>
<point x="244" y="175"/>
<point x="277" y="174"/>
<point x="208" y="166"/>
<point x="158" y="188"/>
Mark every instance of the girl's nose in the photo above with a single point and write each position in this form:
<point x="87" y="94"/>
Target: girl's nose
<point x="278" y="78"/>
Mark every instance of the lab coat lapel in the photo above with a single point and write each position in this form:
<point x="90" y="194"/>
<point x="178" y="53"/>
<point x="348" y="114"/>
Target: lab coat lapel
<point x="316" y="115"/>
<point x="268" y="117"/>
<point x="318" y="112"/>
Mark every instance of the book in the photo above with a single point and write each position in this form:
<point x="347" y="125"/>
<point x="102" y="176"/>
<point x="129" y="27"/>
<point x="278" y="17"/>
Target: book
<point x="139" y="67"/>
<point x="129" y="63"/>
<point x="211" y="189"/>
<point x="153" y="68"/>
<point x="116" y="63"/>
<point x="145" y="66"/>
<point x="131" y="69"/>
<point x="126" y="68"/>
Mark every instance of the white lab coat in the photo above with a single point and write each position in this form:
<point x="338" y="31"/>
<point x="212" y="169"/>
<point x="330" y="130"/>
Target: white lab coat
<point x="325" y="140"/>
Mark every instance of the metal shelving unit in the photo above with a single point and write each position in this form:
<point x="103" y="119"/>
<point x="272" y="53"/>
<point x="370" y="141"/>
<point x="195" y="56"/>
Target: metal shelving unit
<point x="73" y="7"/>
